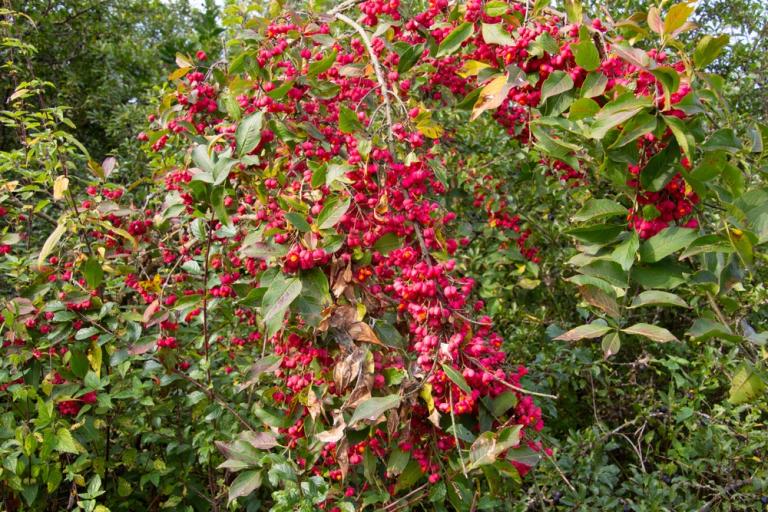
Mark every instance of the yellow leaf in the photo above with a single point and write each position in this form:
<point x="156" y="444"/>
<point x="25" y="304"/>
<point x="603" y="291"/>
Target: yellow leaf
<point x="60" y="185"/>
<point x="180" y="72"/>
<point x="94" y="357"/>
<point x="472" y="68"/>
<point x="491" y="96"/>
<point x="677" y="16"/>
<point x="183" y="61"/>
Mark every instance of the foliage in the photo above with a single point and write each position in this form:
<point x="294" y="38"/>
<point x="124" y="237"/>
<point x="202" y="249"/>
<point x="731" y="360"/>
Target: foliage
<point x="103" y="56"/>
<point x="290" y="314"/>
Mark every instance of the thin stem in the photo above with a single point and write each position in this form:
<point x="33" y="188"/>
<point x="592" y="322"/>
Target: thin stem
<point x="376" y="67"/>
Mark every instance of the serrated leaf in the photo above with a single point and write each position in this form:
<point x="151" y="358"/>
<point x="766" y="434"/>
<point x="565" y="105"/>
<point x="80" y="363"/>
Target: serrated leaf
<point x="746" y="385"/>
<point x="666" y="242"/>
<point x="281" y="293"/>
<point x="51" y="242"/>
<point x="348" y="121"/>
<point x="321" y="66"/>
<point x="495" y="33"/>
<point x="585" y="52"/>
<point x="624" y="254"/>
<point x="456" y="377"/>
<point x="245" y="483"/>
<point x="611" y="344"/>
<point x="374" y="407"/>
<point x="652" y="332"/>
<point x="599" y="209"/>
<point x="66" y="443"/>
<point x="656" y="298"/>
<point x="587" y="331"/>
<point x="556" y="83"/>
<point x="248" y="133"/>
<point x="453" y="41"/>
<point x="332" y="212"/>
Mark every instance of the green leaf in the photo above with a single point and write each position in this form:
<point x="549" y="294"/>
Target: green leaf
<point x="94" y="274"/>
<point x="496" y="34"/>
<point x="65" y="443"/>
<point x="332" y="212"/>
<point x="556" y="83"/>
<point x="410" y="475"/>
<point x="624" y="253"/>
<point x="453" y="41"/>
<point x="746" y="385"/>
<point x="670" y="82"/>
<point x="615" y="113"/>
<point x="611" y="344"/>
<point x="583" y="108"/>
<point x="635" y="128"/>
<point x="281" y="293"/>
<point x="708" y="49"/>
<point x="502" y="403"/>
<point x="488" y="446"/>
<point x="585" y="52"/>
<point x="298" y="221"/>
<point x="704" y="329"/>
<point x="397" y="462"/>
<point x="594" y="85"/>
<point x="652" y="332"/>
<point x="387" y="243"/>
<point x="724" y="139"/>
<point x="456" y="377"/>
<point x="666" y="242"/>
<point x="217" y="198"/>
<point x="496" y="8"/>
<point x="660" y="169"/>
<point x="597" y="234"/>
<point x="708" y="244"/>
<point x="655" y="298"/>
<point x="245" y="483"/>
<point x="348" y="121"/>
<point x="684" y="139"/>
<point x="321" y="66"/>
<point x="588" y="331"/>
<point x="608" y="270"/>
<point x="409" y="57"/>
<point x="248" y="133"/>
<point x="374" y="407"/>
<point x="573" y="10"/>
<point x="599" y="209"/>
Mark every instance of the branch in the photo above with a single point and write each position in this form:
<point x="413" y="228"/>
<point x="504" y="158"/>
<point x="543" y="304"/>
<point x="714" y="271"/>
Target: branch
<point x="376" y="66"/>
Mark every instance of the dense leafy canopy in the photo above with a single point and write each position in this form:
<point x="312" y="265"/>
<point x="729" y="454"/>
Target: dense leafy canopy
<point x="354" y="227"/>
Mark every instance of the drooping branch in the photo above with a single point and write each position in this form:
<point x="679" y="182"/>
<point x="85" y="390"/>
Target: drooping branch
<point x="376" y="66"/>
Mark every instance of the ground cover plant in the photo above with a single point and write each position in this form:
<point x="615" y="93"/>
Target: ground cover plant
<point x="390" y="255"/>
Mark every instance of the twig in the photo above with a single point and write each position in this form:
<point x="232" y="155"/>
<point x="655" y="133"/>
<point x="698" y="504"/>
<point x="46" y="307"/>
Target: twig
<point x="559" y="471"/>
<point x="729" y="488"/>
<point x="214" y="396"/>
<point x="512" y="386"/>
<point x="456" y="435"/>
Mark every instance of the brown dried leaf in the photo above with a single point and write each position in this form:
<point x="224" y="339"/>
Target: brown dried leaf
<point x="348" y="369"/>
<point x="342" y="457"/>
<point x="361" y="331"/>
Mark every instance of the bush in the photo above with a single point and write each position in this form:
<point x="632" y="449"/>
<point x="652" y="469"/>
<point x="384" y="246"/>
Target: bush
<point x="295" y="311"/>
